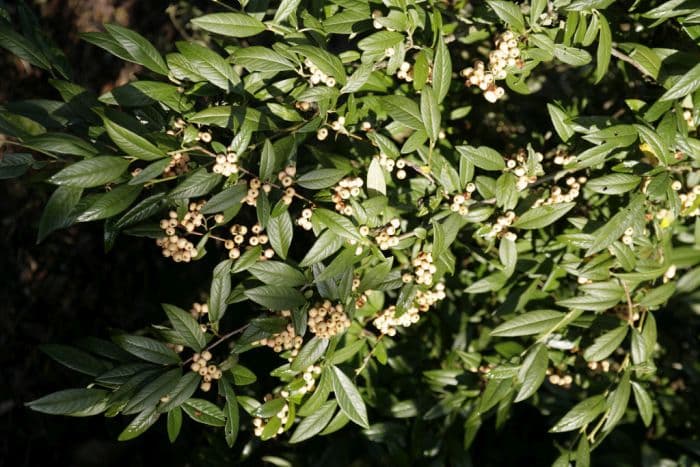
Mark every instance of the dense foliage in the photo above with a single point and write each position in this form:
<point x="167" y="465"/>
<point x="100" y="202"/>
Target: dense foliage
<point x="423" y="215"/>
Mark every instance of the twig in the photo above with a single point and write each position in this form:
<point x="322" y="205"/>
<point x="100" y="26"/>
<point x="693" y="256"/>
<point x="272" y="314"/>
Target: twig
<point x="369" y="356"/>
<point x="626" y="58"/>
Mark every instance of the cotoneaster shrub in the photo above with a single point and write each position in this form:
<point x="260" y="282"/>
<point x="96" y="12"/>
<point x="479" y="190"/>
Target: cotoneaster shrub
<point x="425" y="212"/>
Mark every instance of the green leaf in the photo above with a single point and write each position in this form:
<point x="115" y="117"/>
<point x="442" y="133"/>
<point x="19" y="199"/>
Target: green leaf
<point x="199" y="183"/>
<point x="542" y="216"/>
<point x="532" y="372"/>
<point x="405" y="111"/>
<point x="22" y="47"/>
<point x="230" y="24"/>
<point x="183" y="390"/>
<point x="267" y="160"/>
<point x="687" y="84"/>
<point x="242" y="376"/>
<point x="325" y="61"/>
<point x="226" y="199"/>
<point x="583" y="453"/>
<point x="617" y="402"/>
<point x="314" y="423"/>
<point x="605" y="344"/>
<point x="349" y="398"/>
<point x="277" y="273"/>
<point x="148" y="396"/>
<point x="281" y="232"/>
<point x="174" y="423"/>
<point x="204" y="412"/>
<point x="61" y="143"/>
<point x="510" y="13"/>
<point x="483" y="157"/>
<point x="257" y="58"/>
<point x="147" y="349"/>
<point x="75" y="359"/>
<point x="430" y="112"/>
<point x="656" y="143"/>
<point x="139" y="49"/>
<point x="57" y="213"/>
<point x="110" y="204"/>
<point x="131" y="143"/>
<point x="616" y="226"/>
<point x="91" y="172"/>
<point x="559" y="120"/>
<point x="532" y="322"/>
<point x="219" y="290"/>
<point x="82" y="402"/>
<point x="286" y="9"/>
<point x="613" y="184"/>
<point x="571" y="55"/>
<point x="582" y="413"/>
<point x="276" y="297"/>
<point x="209" y="65"/>
<point x="186" y="327"/>
<point x="604" y="49"/>
<point x="139" y="424"/>
<point x="495" y="391"/>
<point x="644" y="403"/>
<point x="380" y="41"/>
<point x="309" y="354"/>
<point x="442" y="70"/>
<point x="15" y="165"/>
<point x="358" y="79"/>
<point x="231" y="413"/>
<point x="321" y="178"/>
<point x="336" y="223"/>
<point x="375" y="177"/>
<point x="508" y="254"/>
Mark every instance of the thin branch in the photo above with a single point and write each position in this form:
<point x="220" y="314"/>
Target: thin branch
<point x="626" y="58"/>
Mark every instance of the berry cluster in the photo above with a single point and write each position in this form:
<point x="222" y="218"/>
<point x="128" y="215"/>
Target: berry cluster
<point x="305" y="220"/>
<point x="317" y="76"/>
<point x="198" y="310"/>
<point x="254" y="186"/>
<point x="178" y="165"/>
<point x="500" y="228"/>
<point x="256" y="237"/>
<point x="524" y="169"/>
<point x="690" y="205"/>
<point x="557" y="195"/>
<point x="283" y="415"/>
<point x="628" y="237"/>
<point x="461" y="201"/>
<point x="506" y="54"/>
<point x="326" y="320"/>
<point x="424" y="268"/>
<point x="387" y="322"/>
<point x="309" y="376"/>
<point x="562" y="158"/>
<point x="386" y="237"/>
<point x="390" y="164"/>
<point x="178" y="248"/>
<point x="177" y="348"/>
<point x="226" y="164"/>
<point x="562" y="381"/>
<point x="193" y="218"/>
<point x="405" y="72"/>
<point x="285" y="340"/>
<point x="206" y="371"/>
<point x="346" y="189"/>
